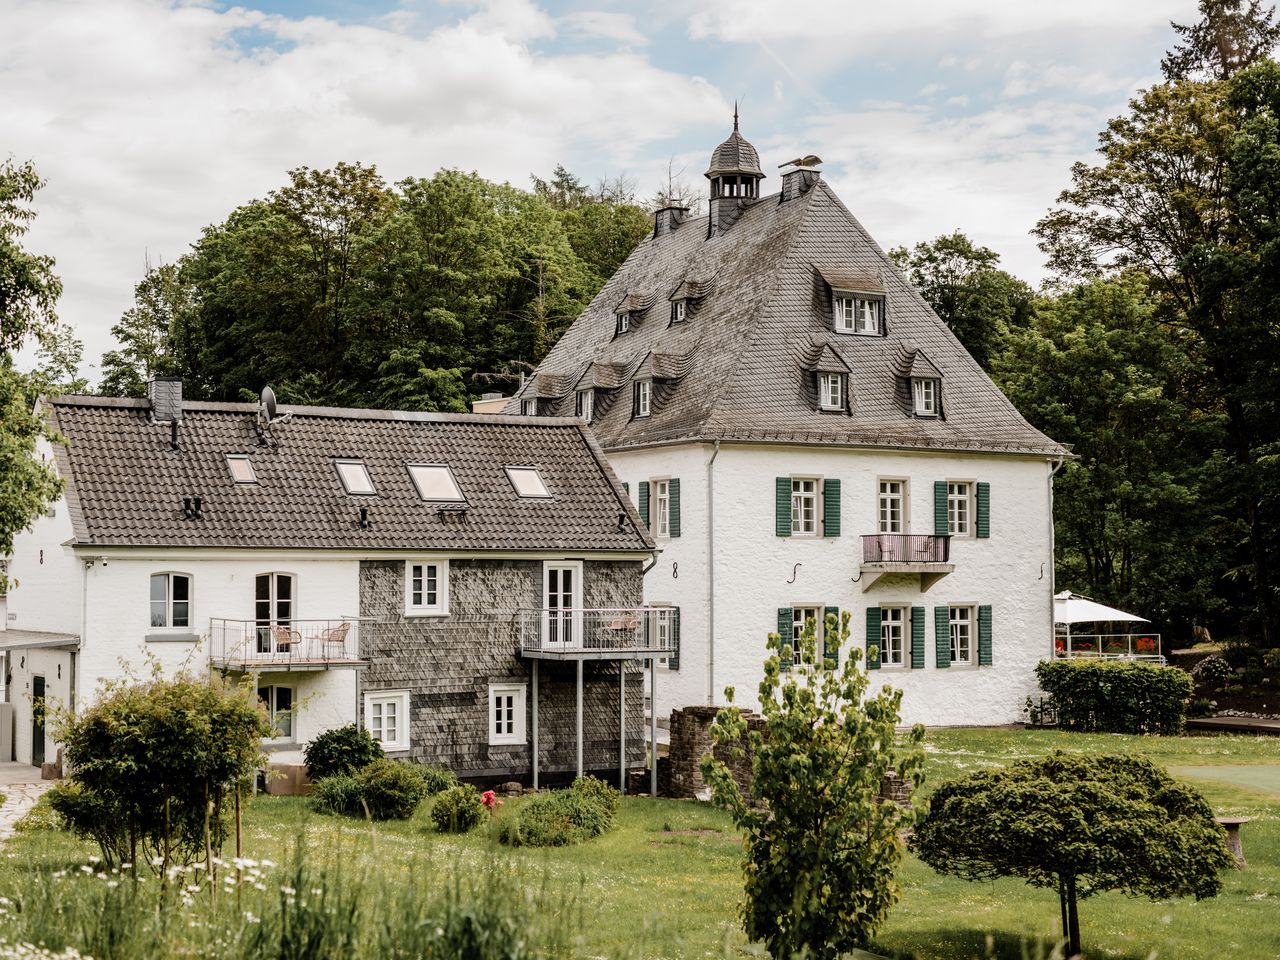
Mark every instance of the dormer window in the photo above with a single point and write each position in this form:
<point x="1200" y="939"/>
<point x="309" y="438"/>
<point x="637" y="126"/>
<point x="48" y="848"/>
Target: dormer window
<point x="644" y="398"/>
<point x="679" y="311"/>
<point x="529" y="407"/>
<point x="831" y="391"/>
<point x="355" y="477"/>
<point x="623" y="322"/>
<point x="858" y="313"/>
<point x="925" y="393"/>
<point x="585" y="404"/>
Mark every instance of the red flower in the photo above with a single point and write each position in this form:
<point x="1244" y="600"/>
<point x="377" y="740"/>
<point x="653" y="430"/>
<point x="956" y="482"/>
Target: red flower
<point x="489" y="799"/>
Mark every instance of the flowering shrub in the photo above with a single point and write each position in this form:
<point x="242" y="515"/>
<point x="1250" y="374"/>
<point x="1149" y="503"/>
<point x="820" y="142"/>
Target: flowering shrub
<point x="1212" y="672"/>
<point x="457" y="809"/>
<point x="1146" y="645"/>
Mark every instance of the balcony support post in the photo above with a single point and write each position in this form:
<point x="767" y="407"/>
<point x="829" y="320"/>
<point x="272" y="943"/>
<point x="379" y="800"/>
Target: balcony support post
<point x="535" y="724"/>
<point x="579" y="717"/>
<point x="653" y="726"/>
<point x="622" y="726"/>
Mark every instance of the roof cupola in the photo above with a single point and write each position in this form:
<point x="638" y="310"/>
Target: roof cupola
<point x="735" y="177"/>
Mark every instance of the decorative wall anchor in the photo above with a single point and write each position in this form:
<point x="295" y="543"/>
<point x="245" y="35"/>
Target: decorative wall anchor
<point x="675" y="570"/>
<point x="794" y="571"/>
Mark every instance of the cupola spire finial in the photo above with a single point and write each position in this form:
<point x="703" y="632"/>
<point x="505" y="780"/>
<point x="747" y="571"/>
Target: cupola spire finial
<point x="735" y="116"/>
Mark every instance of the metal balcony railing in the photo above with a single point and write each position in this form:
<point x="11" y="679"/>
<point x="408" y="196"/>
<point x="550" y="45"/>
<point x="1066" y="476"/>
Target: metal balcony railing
<point x="905" y="548"/>
<point x="604" y="630"/>
<point x="1110" y="646"/>
<point x="250" y="643"/>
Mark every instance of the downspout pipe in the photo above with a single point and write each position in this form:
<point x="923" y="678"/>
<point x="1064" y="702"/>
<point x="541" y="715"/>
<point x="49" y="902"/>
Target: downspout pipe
<point x="711" y="579"/>
<point x="1053" y="549"/>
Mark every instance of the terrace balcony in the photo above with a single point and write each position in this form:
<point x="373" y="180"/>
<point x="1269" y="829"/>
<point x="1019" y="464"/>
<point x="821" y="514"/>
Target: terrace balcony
<point x="285" y="645"/>
<point x="928" y="555"/>
<point x="1109" y="646"/>
<point x="605" y="633"/>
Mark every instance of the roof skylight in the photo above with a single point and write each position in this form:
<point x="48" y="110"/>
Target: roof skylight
<point x="241" y="468"/>
<point x="355" y="477"/>
<point x="527" y="482"/>
<point x="434" y="482"/>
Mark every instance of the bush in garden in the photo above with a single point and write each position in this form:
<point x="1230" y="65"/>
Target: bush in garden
<point x="40" y="817"/>
<point x="594" y="787"/>
<point x="457" y="809"/>
<point x="1271" y="659"/>
<point x="821" y="850"/>
<point x="391" y="789"/>
<point x="339" y="793"/>
<point x="1213" y="672"/>
<point x="436" y="779"/>
<point x="1078" y="825"/>
<point x="1116" y="696"/>
<point x="559" y="818"/>
<point x="341" y="750"/>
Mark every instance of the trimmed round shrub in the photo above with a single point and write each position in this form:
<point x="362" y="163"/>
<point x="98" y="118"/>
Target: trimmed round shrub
<point x="1116" y="696"/>
<point x="457" y="809"/>
<point x="390" y="789"/>
<point x="341" y="750"/>
<point x="339" y="793"/>
<point x="557" y="819"/>
<point x="1212" y="672"/>
<point x="437" y="779"/>
<point x="597" y="789"/>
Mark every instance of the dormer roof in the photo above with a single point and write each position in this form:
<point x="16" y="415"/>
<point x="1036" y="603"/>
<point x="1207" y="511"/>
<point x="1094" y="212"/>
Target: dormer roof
<point x="735" y="156"/>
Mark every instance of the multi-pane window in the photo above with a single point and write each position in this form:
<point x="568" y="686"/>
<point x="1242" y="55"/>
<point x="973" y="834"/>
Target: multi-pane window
<point x="679" y="310"/>
<point x="662" y="632"/>
<point x="831" y="391"/>
<point x="804" y="506"/>
<point x="278" y="702"/>
<point x="386" y="717"/>
<point x="426" y="587"/>
<point x="586" y="403"/>
<point x="855" y="314"/>
<point x="623" y="322"/>
<point x="662" y="508"/>
<point x="506" y="714"/>
<point x="892" y="638"/>
<point x="273" y="612"/>
<point x="958" y="509"/>
<point x="892" y="498"/>
<point x="926" y="397"/>
<point x="961" y="623"/>
<point x="800" y="616"/>
<point x="170" y="600"/>
<point x="529" y="407"/>
<point x="644" y="397"/>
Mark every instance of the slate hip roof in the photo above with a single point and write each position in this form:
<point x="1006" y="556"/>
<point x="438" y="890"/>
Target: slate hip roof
<point x="126" y="484"/>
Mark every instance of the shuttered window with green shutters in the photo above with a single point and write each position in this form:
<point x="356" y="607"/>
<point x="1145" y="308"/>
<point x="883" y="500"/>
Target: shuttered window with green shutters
<point x="831" y="508"/>
<point x="673" y="517"/>
<point x="644" y="502"/>
<point x="830" y="636"/>
<point x="942" y="635"/>
<point x="917" y="638"/>
<point x="673" y="661"/>
<point x="941" y="527"/>
<point x="873" y="638"/>
<point x="984" y="635"/>
<point x="984" y="510"/>
<point x="782" y="506"/>
<point x="785" y="622"/>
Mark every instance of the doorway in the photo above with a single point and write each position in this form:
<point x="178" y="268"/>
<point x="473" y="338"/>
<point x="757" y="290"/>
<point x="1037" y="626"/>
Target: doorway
<point x="37" y="721"/>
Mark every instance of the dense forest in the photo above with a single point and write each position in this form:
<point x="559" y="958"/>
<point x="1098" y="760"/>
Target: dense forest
<point x="1152" y="351"/>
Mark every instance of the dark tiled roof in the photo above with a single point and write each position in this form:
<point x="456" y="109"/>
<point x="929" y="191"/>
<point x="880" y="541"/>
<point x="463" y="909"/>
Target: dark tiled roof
<point x="735" y="155"/>
<point x="126" y="484"/>
<point x="748" y="349"/>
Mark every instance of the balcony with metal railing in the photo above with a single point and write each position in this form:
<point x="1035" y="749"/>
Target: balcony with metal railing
<point x="928" y="555"/>
<point x="1109" y="646"/>
<point x="605" y="633"/>
<point x="284" y="644"/>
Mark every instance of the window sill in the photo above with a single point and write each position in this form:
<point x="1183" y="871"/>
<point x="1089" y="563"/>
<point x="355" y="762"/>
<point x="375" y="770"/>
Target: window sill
<point x="415" y="613"/>
<point x="175" y="637"/>
<point x="508" y="742"/>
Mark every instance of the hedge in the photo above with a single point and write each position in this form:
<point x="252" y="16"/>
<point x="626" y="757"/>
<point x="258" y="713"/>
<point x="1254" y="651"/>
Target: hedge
<point x="1116" y="696"/>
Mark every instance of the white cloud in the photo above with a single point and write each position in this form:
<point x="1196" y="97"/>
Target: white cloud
<point x="150" y="121"/>
<point x="929" y="89"/>
<point x="1023" y="78"/>
<point x="598" y="24"/>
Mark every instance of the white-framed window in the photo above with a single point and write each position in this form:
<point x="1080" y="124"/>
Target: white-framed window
<point x="857" y="314"/>
<point x="679" y="310"/>
<point x="623" y="322"/>
<point x="662" y="630"/>
<point x="279" y="702"/>
<point x="662" y="508"/>
<point x="804" y="505"/>
<point x="355" y="477"/>
<point x="959" y="508"/>
<point x="426" y="588"/>
<point x="528" y="483"/>
<point x="241" y="468"/>
<point x="800" y="616"/>
<point x="644" y="397"/>
<point x="893" y="636"/>
<point x="585" y="405"/>
<point x="170" y="600"/>
<point x="435" y="482"/>
<point x="529" y="406"/>
<point x="273" y="612"/>
<point x="386" y="717"/>
<point x="892" y="506"/>
<point x="831" y="391"/>
<point x="562" y="603"/>
<point x="961" y="623"/>
<point x="506" y="713"/>
<point x="925" y="392"/>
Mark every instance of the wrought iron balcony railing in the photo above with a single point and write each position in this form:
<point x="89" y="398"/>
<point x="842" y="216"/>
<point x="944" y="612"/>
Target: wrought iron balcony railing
<point x="905" y="548"/>
<point x="251" y="644"/>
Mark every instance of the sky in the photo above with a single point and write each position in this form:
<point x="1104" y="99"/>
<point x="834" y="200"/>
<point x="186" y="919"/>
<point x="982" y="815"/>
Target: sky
<point x="151" y="120"/>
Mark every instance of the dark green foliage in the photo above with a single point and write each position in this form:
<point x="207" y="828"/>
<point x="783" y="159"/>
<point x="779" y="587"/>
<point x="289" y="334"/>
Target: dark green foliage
<point x="340" y="750"/>
<point x="436" y="779"/>
<point x="1230" y="35"/>
<point x="338" y="793"/>
<point x="1115" y="696"/>
<point x="561" y="817"/>
<point x="821" y="851"/>
<point x="391" y="789"/>
<point x="1213" y="672"/>
<point x="457" y="809"/>
<point x="597" y="789"/>
<point x="1078" y="825"/>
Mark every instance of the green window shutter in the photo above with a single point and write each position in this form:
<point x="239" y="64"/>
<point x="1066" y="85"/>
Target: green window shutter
<point x="940" y="525"/>
<point x="984" y="635"/>
<point x="831" y="508"/>
<point x="644" y="502"/>
<point x="984" y="510"/>
<point x="673" y="507"/>
<point x="673" y="661"/>
<point x="782" y="487"/>
<point x="873" y="638"/>
<point x="942" y="635"/>
<point x="626" y="488"/>
<point x="784" y="631"/>
<point x="830" y="649"/>
<point x="917" y="638"/>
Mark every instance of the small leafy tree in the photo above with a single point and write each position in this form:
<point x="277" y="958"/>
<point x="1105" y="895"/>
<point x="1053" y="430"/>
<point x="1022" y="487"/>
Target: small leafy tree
<point x="1079" y="825"/>
<point x="340" y="750"/>
<point x="821" y="850"/>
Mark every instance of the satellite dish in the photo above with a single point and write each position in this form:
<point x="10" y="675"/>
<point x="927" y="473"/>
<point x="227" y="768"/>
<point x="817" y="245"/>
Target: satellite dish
<point x="267" y="405"/>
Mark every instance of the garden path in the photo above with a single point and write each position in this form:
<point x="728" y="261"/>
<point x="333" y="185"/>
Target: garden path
<point x="22" y="787"/>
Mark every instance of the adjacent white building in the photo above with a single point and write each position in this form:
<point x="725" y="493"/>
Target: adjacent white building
<point x="803" y="434"/>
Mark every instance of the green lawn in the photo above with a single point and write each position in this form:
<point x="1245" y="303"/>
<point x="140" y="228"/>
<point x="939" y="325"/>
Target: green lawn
<point x="666" y="882"/>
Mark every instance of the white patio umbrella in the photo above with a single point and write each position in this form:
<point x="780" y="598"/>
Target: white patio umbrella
<point x="1070" y="607"/>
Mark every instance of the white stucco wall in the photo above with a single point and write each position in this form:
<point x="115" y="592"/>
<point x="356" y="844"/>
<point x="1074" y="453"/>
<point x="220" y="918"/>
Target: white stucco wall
<point x="1011" y="570"/>
<point x="48" y="576"/>
<point x="56" y="668"/>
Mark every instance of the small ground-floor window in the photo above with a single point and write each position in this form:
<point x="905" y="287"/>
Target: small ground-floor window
<point x="961" y="623"/>
<point x="386" y="717"/>
<point x="279" y="702"/>
<point x="506" y="713"/>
